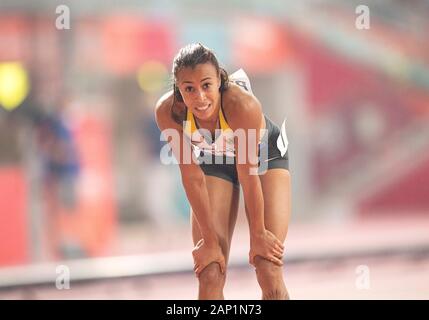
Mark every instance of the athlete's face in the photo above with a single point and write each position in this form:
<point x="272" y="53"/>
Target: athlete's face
<point x="199" y="88"/>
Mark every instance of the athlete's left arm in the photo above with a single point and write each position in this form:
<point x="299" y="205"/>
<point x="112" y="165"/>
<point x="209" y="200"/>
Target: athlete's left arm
<point x="246" y="123"/>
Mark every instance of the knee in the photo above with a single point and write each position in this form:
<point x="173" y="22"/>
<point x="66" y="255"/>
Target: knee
<point x="270" y="279"/>
<point x="267" y="269"/>
<point x="211" y="276"/>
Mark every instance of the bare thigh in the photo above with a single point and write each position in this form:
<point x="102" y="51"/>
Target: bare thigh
<point x="275" y="185"/>
<point x="224" y="200"/>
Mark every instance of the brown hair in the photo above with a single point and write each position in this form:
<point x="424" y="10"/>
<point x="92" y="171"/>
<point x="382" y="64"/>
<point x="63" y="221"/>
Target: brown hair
<point x="190" y="56"/>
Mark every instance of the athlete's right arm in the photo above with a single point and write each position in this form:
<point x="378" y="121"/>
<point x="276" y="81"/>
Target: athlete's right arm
<point x="193" y="178"/>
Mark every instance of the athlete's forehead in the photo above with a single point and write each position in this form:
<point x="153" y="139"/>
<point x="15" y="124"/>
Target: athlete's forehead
<point x="197" y="74"/>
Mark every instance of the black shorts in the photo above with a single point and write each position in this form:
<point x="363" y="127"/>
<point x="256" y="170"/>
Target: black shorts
<point x="227" y="170"/>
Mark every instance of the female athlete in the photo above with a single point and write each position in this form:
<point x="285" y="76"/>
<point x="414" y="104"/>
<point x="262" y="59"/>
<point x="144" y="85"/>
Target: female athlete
<point x="207" y="108"/>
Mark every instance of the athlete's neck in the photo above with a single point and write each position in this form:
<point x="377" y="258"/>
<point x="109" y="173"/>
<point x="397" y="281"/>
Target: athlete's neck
<point x="210" y="123"/>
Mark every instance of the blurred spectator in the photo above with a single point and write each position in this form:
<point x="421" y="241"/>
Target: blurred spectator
<point x="60" y="170"/>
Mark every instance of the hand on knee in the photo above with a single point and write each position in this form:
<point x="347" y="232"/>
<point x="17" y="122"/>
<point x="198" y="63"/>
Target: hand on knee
<point x="206" y="253"/>
<point x="211" y="276"/>
<point x="267" y="268"/>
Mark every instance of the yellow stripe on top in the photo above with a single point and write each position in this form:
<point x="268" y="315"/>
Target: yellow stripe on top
<point x="223" y="124"/>
<point x="190" y="123"/>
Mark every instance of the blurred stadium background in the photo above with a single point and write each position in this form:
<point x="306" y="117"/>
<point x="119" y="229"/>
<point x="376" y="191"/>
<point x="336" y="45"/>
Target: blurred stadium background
<point x="81" y="183"/>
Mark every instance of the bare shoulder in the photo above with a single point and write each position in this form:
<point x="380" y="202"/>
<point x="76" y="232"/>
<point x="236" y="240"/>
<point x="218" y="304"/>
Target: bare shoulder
<point x="240" y="105"/>
<point x="164" y="104"/>
<point x="163" y="111"/>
